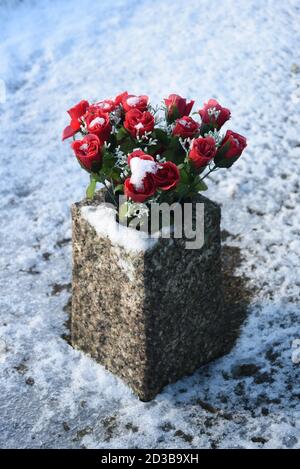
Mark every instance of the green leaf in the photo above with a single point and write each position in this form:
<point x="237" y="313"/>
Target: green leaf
<point x="161" y="136"/>
<point x="91" y="188"/>
<point x="201" y="186"/>
<point x="184" y="177"/>
<point x="119" y="188"/>
<point x="122" y="133"/>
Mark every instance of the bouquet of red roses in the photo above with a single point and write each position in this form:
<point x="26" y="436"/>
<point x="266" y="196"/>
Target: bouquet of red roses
<point x="151" y="154"/>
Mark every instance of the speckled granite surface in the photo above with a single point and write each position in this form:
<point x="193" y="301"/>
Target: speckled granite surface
<point x="149" y="317"/>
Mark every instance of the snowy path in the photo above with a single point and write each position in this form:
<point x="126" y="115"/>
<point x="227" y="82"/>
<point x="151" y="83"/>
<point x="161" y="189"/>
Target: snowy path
<point x="247" y="55"/>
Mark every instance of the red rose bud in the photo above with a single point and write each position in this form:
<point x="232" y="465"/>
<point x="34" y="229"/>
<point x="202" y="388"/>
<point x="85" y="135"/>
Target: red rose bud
<point x="141" y="184"/>
<point x="118" y="99"/>
<point x="231" y="148"/>
<point x="167" y="176"/>
<point x="88" y="152"/>
<point x="203" y="150"/>
<point x="107" y="105"/>
<point x="76" y="112"/>
<point x="98" y="123"/>
<point x="130" y="101"/>
<point x="186" y="127"/>
<point x="140" y="195"/>
<point x="138" y="122"/>
<point x="214" y="115"/>
<point x="177" y="107"/>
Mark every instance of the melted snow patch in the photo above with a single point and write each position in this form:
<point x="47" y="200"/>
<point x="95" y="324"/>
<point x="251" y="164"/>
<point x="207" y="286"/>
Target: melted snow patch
<point x="102" y="219"/>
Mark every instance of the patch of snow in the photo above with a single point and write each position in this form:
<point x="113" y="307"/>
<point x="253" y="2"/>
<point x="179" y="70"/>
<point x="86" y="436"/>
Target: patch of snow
<point x="103" y="219"/>
<point x="97" y="120"/>
<point x="133" y="100"/>
<point x="139" y="126"/>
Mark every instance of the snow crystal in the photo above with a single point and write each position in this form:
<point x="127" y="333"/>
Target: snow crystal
<point x="103" y="219"/>
<point x="139" y="169"/>
<point x="84" y="146"/>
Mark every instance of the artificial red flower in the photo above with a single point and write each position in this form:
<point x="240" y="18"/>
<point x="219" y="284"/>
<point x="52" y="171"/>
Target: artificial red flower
<point x="76" y="112"/>
<point x="167" y="176"/>
<point x="98" y="123"/>
<point x="177" y="107"/>
<point x="186" y="127"/>
<point x="230" y="150"/>
<point x="107" y="105"/>
<point x="203" y="150"/>
<point x="138" y="122"/>
<point x="141" y="194"/>
<point x="130" y="101"/>
<point x="141" y="184"/>
<point x="88" y="152"/>
<point x="214" y="114"/>
<point x="119" y="98"/>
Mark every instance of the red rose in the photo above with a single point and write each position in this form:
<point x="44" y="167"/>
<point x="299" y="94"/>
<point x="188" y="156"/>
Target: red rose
<point x="230" y="150"/>
<point x="88" y="152"/>
<point x="139" y="154"/>
<point x="98" y="123"/>
<point x="167" y="176"/>
<point x="202" y="151"/>
<point x="118" y="99"/>
<point x="137" y="122"/>
<point x="130" y="101"/>
<point x="214" y="114"/>
<point x="140" y="195"/>
<point x="76" y="112"/>
<point x="107" y="105"/>
<point x="186" y="127"/>
<point x="177" y="107"/>
<point x="141" y="184"/>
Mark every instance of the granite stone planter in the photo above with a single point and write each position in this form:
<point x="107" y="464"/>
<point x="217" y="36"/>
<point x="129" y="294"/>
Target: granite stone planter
<point x="151" y="317"/>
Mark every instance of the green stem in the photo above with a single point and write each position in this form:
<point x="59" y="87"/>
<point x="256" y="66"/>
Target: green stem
<point x="112" y="197"/>
<point x="210" y="171"/>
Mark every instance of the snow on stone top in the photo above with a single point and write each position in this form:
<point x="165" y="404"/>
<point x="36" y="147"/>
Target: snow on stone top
<point x="103" y="219"/>
<point x="139" y="169"/>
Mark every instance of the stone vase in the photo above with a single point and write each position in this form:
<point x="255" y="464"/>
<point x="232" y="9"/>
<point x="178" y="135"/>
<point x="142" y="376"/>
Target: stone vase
<point x="150" y="317"/>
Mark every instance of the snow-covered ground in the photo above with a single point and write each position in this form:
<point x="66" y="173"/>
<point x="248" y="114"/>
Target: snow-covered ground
<point x="52" y="53"/>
